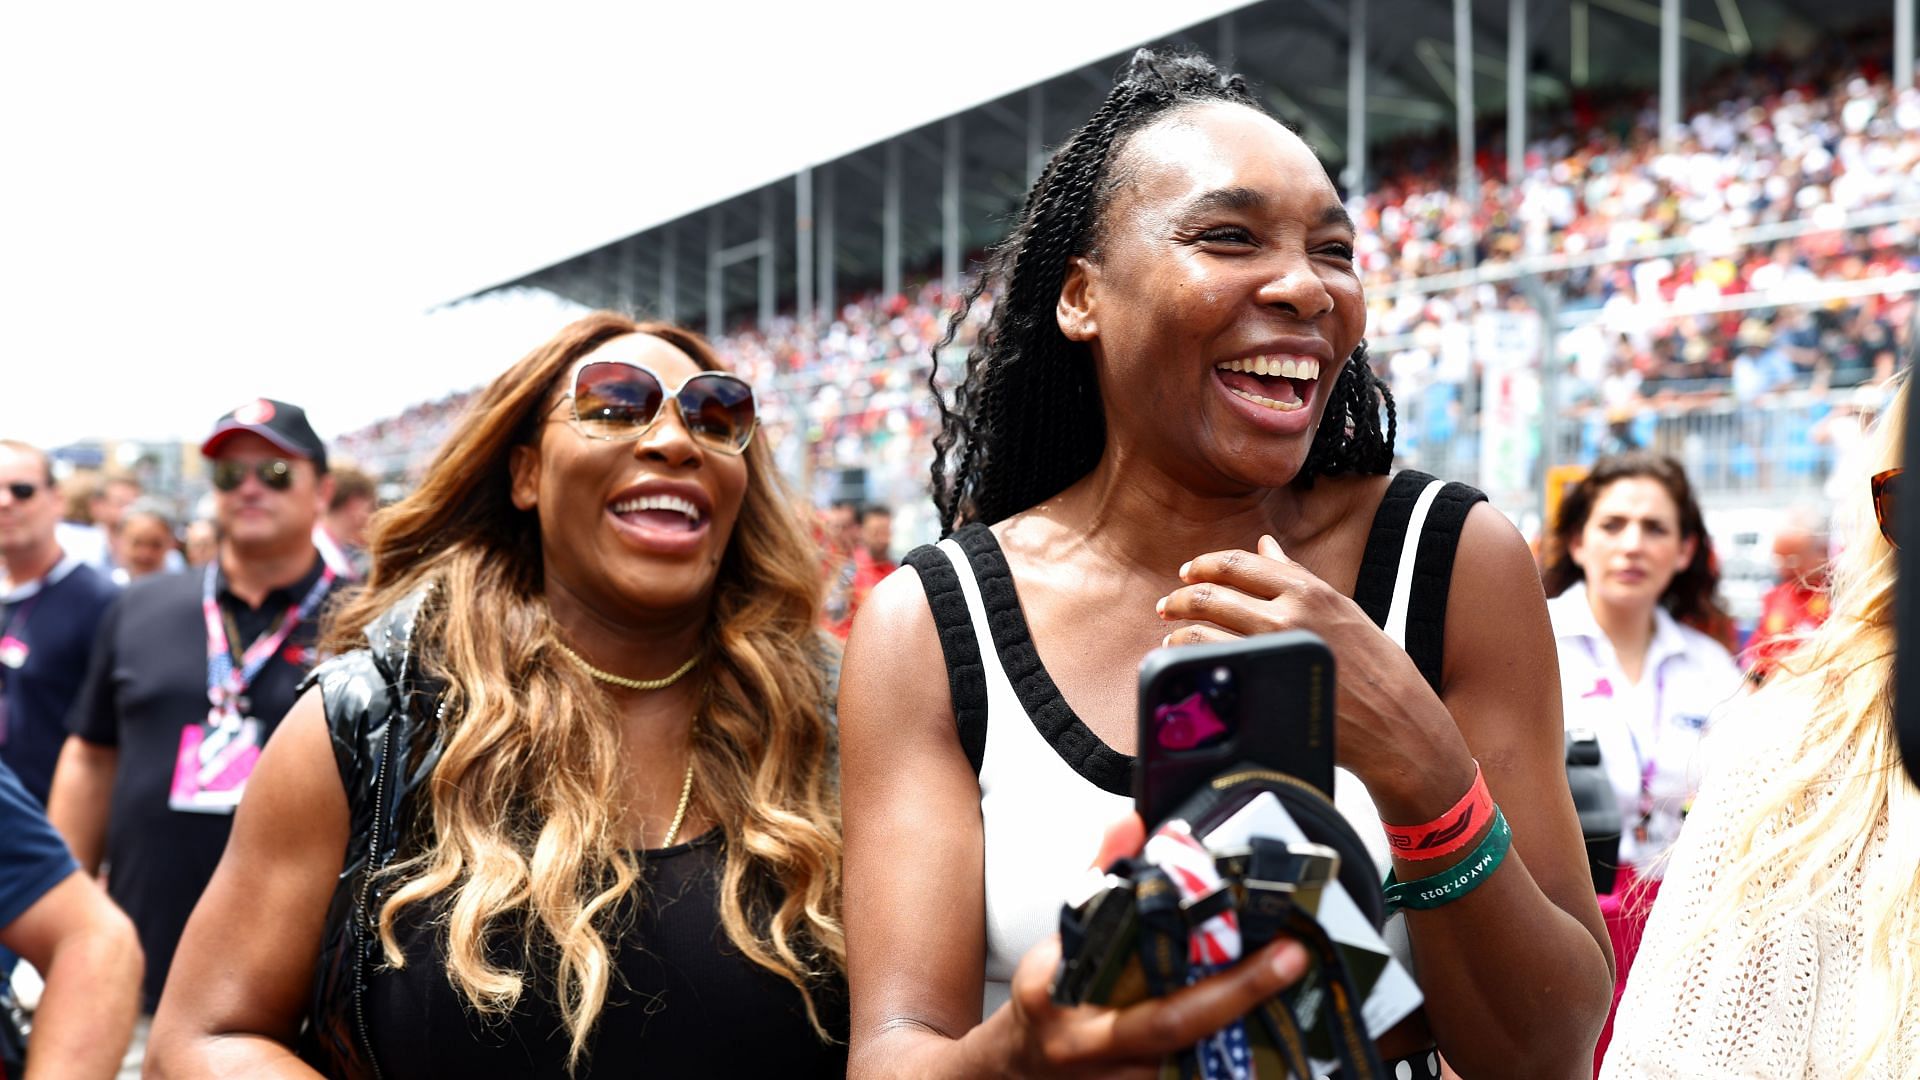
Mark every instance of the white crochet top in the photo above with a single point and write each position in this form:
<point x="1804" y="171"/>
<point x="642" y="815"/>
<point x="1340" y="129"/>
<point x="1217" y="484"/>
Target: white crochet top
<point x="1784" y="1003"/>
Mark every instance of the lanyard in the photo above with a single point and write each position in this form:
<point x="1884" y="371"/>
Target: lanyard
<point x="225" y="683"/>
<point x="18" y="623"/>
<point x="1643" y="756"/>
<point x="13" y="647"/>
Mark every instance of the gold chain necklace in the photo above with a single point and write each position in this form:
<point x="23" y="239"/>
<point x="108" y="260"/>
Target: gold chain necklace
<point x="621" y="680"/>
<point x="680" y="813"/>
<point x="686" y="785"/>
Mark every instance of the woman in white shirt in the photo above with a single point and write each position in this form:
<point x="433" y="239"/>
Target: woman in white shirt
<point x="1630" y="569"/>
<point x="1785" y="940"/>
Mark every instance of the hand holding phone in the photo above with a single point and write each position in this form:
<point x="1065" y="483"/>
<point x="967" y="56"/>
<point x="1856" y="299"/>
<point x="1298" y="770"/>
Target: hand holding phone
<point x="1265" y="700"/>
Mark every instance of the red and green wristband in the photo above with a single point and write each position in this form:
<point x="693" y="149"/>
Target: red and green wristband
<point x="1447" y="833"/>
<point x="1427" y="893"/>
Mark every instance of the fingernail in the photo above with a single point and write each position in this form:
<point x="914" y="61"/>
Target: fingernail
<point x="1166" y="642"/>
<point x="1288" y="960"/>
<point x="1184" y="567"/>
<point x="1160" y="606"/>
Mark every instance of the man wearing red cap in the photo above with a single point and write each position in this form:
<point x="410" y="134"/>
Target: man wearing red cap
<point x="190" y="675"/>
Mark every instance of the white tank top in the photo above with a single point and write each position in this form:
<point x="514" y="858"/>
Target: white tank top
<point x="1049" y="787"/>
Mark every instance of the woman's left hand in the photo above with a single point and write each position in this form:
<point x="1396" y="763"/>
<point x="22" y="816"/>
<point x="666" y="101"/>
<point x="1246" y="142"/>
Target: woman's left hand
<point x="1384" y="708"/>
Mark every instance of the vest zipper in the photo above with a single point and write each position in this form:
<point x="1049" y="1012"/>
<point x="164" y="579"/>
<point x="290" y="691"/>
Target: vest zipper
<point x="366" y="890"/>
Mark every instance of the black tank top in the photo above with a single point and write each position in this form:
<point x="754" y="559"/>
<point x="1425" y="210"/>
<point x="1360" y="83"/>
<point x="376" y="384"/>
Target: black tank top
<point x="683" y="1001"/>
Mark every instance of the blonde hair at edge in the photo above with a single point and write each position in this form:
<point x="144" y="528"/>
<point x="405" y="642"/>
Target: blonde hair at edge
<point x="1807" y="833"/>
<point x="523" y="830"/>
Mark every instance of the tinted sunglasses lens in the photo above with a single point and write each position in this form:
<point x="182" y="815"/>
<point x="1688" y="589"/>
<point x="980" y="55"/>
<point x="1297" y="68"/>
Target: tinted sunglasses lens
<point x="719" y="410"/>
<point x="612" y="401"/>
<point x="23" y="491"/>
<point x="1886" y="490"/>
<point x="274" y="473"/>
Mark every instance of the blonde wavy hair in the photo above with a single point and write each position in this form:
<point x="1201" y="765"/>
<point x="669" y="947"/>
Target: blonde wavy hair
<point x="1811" y="828"/>
<point x="523" y="823"/>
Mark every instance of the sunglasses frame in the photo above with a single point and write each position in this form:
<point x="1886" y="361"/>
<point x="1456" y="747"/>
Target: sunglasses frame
<point x="259" y="471"/>
<point x="33" y="489"/>
<point x="1881" y="511"/>
<point x="668" y="393"/>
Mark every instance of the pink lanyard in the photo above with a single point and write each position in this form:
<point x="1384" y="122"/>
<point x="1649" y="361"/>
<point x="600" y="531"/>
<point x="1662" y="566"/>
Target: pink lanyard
<point x="1641" y="756"/>
<point x="225" y="682"/>
<point x="12" y="645"/>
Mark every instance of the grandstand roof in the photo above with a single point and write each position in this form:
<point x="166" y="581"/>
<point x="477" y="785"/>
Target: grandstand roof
<point x="1296" y="51"/>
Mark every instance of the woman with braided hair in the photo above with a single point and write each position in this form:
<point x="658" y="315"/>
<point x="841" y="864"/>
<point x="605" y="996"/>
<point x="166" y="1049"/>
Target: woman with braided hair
<point x="1168" y="434"/>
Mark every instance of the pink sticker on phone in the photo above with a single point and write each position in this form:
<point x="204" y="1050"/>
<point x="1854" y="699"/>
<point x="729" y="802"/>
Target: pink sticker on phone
<point x="1186" y="724"/>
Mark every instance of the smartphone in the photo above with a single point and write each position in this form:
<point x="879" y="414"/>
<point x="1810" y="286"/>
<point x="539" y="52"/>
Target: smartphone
<point x="1264" y="700"/>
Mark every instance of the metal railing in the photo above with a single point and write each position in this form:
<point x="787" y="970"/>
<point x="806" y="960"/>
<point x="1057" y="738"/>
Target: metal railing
<point x="1773" y="452"/>
<point x="1767" y="453"/>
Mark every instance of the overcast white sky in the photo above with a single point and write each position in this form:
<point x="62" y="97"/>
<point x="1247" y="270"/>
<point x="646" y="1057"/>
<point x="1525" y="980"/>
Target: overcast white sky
<point x="204" y="203"/>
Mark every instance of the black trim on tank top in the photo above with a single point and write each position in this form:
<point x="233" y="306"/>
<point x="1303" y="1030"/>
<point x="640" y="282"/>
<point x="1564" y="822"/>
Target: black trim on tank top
<point x="1373" y="589"/>
<point x="1083" y="751"/>
<point x="966" y="678"/>
<point x="1432" y="564"/>
<point x="1433" y="578"/>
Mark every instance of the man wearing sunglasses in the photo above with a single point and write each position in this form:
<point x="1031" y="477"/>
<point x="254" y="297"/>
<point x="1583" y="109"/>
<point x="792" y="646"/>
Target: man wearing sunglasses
<point x="51" y="604"/>
<point x="191" y="674"/>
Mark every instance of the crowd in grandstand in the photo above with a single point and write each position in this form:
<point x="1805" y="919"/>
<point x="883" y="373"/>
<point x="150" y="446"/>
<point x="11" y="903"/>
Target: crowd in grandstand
<point x="1819" y="139"/>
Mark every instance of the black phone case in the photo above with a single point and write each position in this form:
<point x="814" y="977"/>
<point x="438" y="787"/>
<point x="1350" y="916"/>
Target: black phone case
<point x="1285" y="686"/>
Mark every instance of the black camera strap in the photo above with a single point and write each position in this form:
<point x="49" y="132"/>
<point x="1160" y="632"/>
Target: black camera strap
<point x="1275" y="876"/>
<point x="1163" y="947"/>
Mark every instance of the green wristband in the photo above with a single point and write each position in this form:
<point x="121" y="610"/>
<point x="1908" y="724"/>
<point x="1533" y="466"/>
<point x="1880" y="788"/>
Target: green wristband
<point x="1427" y="893"/>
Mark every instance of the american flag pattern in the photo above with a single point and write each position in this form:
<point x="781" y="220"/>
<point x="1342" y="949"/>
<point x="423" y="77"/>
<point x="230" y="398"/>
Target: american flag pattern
<point x="1212" y="946"/>
<point x="1173" y="849"/>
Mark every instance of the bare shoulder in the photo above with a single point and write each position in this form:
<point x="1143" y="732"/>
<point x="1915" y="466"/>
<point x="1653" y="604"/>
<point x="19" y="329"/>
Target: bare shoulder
<point x="1492" y="552"/>
<point x="1500" y="645"/>
<point x="894" y="663"/>
<point x="296" y="787"/>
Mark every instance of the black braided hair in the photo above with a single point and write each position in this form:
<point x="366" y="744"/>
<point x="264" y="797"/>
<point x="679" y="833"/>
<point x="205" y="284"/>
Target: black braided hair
<point x="1026" y="422"/>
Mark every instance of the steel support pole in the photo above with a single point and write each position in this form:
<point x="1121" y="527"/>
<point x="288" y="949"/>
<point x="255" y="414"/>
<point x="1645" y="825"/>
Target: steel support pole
<point x="1036" y="137"/>
<point x="1229" y="43"/>
<point x="1578" y="42"/>
<point x="714" y="298"/>
<point x="1516" y="90"/>
<point x="828" y="253"/>
<point x="629" y="275"/>
<point x="767" y="250"/>
<point x="890" y="223"/>
<point x="1463" y="112"/>
<point x="1545" y="299"/>
<point x="1355" y="174"/>
<point x="1669" y="69"/>
<point x="950" y="210"/>
<point x="803" y="245"/>
<point x="1903" y="55"/>
<point x="669" y="274"/>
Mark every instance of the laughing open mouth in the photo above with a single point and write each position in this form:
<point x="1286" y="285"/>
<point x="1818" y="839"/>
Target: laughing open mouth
<point x="668" y="513"/>
<point x="1280" y="383"/>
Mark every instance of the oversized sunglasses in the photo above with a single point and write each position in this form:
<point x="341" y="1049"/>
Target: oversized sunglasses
<point x="22" y="491"/>
<point x="1886" y="492"/>
<point x="276" y="473"/>
<point x="620" y="402"/>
